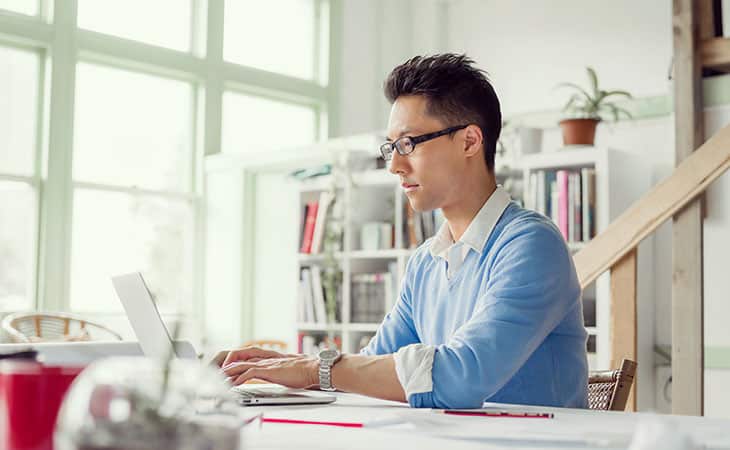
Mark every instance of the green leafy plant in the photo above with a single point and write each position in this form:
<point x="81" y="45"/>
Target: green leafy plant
<point x="594" y="102"/>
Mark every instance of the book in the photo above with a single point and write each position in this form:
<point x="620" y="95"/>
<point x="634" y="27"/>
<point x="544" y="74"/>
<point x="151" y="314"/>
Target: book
<point x="309" y="223"/>
<point x="304" y="226"/>
<point x="320" y="224"/>
<point x="579" y="207"/>
<point x="588" y="202"/>
<point x="571" y="207"/>
<point x="308" y="299"/>
<point x="550" y="209"/>
<point x="562" y="181"/>
<point x="320" y="310"/>
<point x="554" y="202"/>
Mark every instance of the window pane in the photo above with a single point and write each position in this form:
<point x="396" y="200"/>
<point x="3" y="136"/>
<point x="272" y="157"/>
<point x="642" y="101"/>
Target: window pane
<point x="115" y="233"/>
<point x="29" y="7"/>
<point x="252" y="124"/>
<point x="160" y="22"/>
<point x="18" y="111"/>
<point x="132" y="129"/>
<point x="17" y="234"/>
<point x="273" y="35"/>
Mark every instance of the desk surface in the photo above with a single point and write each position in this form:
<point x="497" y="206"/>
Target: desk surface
<point x="395" y="425"/>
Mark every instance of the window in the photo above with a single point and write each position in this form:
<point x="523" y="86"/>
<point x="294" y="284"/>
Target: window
<point x="115" y="233"/>
<point x="18" y="195"/>
<point x="275" y="35"/>
<point x="132" y="129"/>
<point x="165" y="23"/>
<point x="18" y="100"/>
<point x="132" y="132"/>
<point x="29" y="7"/>
<point x="252" y="124"/>
<point x="17" y="240"/>
<point x="108" y="136"/>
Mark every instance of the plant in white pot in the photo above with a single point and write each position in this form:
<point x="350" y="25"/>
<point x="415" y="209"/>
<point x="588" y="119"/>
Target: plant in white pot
<point x="586" y="107"/>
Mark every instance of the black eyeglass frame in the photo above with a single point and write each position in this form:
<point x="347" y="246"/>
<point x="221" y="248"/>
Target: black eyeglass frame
<point x="387" y="148"/>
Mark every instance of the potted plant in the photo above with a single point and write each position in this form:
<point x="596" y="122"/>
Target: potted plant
<point x="587" y="107"/>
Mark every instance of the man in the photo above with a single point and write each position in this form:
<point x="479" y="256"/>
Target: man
<point x="490" y="307"/>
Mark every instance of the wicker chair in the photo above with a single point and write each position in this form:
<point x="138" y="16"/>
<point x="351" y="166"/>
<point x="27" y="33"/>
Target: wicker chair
<point x="49" y="327"/>
<point x="268" y="344"/>
<point x="609" y="390"/>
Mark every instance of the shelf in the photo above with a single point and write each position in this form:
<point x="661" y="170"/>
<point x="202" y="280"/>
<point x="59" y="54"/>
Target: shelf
<point x="379" y="254"/>
<point x="319" y="257"/>
<point x="338" y="327"/>
<point x="373" y="327"/>
<point x="324" y="327"/>
<point x="566" y="157"/>
<point x="316" y="184"/>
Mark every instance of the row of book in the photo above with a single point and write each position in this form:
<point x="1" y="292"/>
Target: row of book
<point x="568" y="197"/>
<point x="420" y="226"/>
<point x="312" y="301"/>
<point x="314" y="223"/>
<point x="371" y="292"/>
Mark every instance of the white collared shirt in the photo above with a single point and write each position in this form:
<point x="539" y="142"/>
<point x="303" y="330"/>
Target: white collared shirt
<point x="414" y="363"/>
<point x="475" y="236"/>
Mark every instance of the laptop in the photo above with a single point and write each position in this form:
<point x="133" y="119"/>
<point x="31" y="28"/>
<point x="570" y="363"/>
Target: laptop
<point x="155" y="341"/>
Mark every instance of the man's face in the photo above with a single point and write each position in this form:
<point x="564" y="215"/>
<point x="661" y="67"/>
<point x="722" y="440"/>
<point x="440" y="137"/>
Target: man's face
<point x="430" y="174"/>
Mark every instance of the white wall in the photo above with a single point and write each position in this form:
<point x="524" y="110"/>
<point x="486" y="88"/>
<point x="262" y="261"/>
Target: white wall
<point x="377" y="36"/>
<point x="529" y="47"/>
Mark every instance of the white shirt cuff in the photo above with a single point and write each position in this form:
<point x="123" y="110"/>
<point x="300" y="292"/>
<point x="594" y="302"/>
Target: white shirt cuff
<point x="413" y="365"/>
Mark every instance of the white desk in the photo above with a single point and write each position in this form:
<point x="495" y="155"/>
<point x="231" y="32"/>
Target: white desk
<point x="426" y="429"/>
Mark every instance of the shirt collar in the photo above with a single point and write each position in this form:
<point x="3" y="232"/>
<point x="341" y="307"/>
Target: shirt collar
<point x="478" y="231"/>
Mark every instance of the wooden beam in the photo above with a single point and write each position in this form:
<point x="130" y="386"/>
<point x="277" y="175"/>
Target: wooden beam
<point x="657" y="206"/>
<point x="623" y="316"/>
<point x="706" y="19"/>
<point x="687" y="299"/>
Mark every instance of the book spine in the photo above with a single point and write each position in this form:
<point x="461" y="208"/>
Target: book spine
<point x="325" y="199"/>
<point x="577" y="192"/>
<point x="309" y="227"/>
<point x="308" y="300"/>
<point x="320" y="309"/>
<point x="571" y="207"/>
<point x="554" y="202"/>
<point x="585" y="205"/>
<point x="562" y="179"/>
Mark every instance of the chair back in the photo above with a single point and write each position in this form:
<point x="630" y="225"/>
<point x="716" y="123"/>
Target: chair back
<point x="268" y="344"/>
<point x="52" y="327"/>
<point x="609" y="390"/>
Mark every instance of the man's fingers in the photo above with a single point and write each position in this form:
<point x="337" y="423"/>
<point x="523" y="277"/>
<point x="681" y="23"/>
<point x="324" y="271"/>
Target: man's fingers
<point x="247" y="353"/>
<point x="256" y="372"/>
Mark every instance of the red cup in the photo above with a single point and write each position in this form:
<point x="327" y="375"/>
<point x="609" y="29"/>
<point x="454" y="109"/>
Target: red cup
<point x="30" y="396"/>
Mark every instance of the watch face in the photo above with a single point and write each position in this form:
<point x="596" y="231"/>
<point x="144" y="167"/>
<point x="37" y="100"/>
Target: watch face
<point x="328" y="354"/>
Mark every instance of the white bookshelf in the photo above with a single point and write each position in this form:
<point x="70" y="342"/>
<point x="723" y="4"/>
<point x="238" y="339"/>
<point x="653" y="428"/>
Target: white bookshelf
<point x="621" y="178"/>
<point x="373" y="195"/>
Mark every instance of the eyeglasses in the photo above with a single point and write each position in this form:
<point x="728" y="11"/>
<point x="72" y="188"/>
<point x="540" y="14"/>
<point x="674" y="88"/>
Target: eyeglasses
<point x="406" y="144"/>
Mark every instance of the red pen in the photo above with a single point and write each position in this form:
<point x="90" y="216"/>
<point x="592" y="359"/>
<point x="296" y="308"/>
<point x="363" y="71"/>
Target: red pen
<point x="312" y="422"/>
<point x="523" y="415"/>
<point x="382" y="422"/>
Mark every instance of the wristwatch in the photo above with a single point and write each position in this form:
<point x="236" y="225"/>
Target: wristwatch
<point x="327" y="359"/>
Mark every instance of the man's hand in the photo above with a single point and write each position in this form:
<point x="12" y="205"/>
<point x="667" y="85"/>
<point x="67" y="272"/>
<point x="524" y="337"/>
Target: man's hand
<point x="295" y="371"/>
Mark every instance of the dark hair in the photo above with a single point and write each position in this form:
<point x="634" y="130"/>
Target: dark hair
<point x="456" y="92"/>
